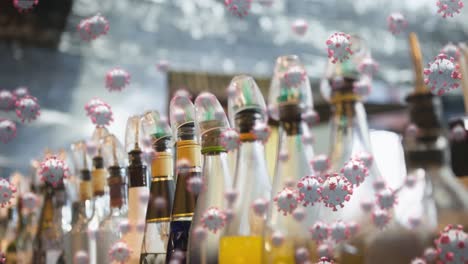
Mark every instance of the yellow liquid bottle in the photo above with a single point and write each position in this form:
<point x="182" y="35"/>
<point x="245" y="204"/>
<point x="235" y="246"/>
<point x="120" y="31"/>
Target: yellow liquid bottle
<point x="241" y="249"/>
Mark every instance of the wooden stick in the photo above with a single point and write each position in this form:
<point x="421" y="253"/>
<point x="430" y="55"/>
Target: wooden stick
<point x="416" y="55"/>
<point x="464" y="72"/>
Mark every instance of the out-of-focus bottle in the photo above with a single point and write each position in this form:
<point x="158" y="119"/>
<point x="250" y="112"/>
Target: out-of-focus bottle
<point x="158" y="214"/>
<point x="182" y="117"/>
<point x="14" y="225"/>
<point x="243" y="238"/>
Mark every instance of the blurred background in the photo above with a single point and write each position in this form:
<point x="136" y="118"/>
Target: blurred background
<point x="205" y="46"/>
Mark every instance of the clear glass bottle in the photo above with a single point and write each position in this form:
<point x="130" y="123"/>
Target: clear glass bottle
<point x="13" y="226"/>
<point x="182" y="117"/>
<point x="212" y="121"/>
<point x="293" y="96"/>
<point x="158" y="214"/>
<point x="109" y="229"/>
<point x="25" y="236"/>
<point x="242" y="241"/>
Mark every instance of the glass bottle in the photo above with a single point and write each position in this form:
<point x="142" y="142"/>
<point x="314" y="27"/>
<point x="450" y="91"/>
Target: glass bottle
<point x="212" y="121"/>
<point x="242" y="241"/>
<point x="14" y="225"/>
<point x="25" y="236"/>
<point x="138" y="191"/>
<point x="109" y="228"/>
<point x="182" y="117"/>
<point x="293" y="96"/>
<point x="158" y="214"/>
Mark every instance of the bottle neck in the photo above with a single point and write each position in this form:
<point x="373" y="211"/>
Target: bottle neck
<point x="136" y="169"/>
<point x="290" y="119"/>
<point x="98" y="177"/>
<point x="117" y="187"/>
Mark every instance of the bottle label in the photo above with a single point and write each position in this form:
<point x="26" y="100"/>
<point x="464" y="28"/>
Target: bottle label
<point x="98" y="177"/>
<point x="189" y="150"/>
<point x="161" y="197"/>
<point x="116" y="191"/>
<point x="184" y="201"/>
<point x="162" y="165"/>
<point x="85" y="190"/>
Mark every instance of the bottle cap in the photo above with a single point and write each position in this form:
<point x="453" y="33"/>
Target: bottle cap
<point x="155" y="126"/>
<point x="210" y="114"/>
<point x="182" y="111"/>
<point x="245" y="95"/>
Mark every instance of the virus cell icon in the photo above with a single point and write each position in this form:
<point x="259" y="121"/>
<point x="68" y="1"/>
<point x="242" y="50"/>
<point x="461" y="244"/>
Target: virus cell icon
<point x="362" y="87"/>
<point x="448" y="8"/>
<point x="414" y="222"/>
<point x="277" y="239"/>
<point x="287" y="200"/>
<point x="365" y="157"/>
<point x="452" y="245"/>
<point x="260" y="206"/>
<point x="21" y="92"/>
<point x="27" y="108"/>
<point x="195" y="185"/>
<point x="229" y="215"/>
<point x="411" y="180"/>
<point x="339" y="47"/>
<point x="144" y="198"/>
<point x="325" y="260"/>
<point x="229" y="139"/>
<point x="239" y="8"/>
<point x="199" y="233"/>
<point x="299" y="214"/>
<point x="160" y="203"/>
<point x="283" y="155"/>
<point x="442" y="75"/>
<point x="7" y="100"/>
<point x="300" y="27"/>
<point x="418" y="261"/>
<point x="458" y="133"/>
<point x="91" y="104"/>
<point x="310" y="117"/>
<point x="101" y="115"/>
<point x="294" y="77"/>
<point x="451" y="50"/>
<point x="386" y="198"/>
<point x="81" y="257"/>
<point x="320" y="163"/>
<point x="367" y="205"/>
<point x="25" y="5"/>
<point x="120" y="252"/>
<point x="117" y="79"/>
<point x="380" y="218"/>
<point x="430" y="254"/>
<point x="368" y="67"/>
<point x="325" y="250"/>
<point x="302" y="255"/>
<point x="30" y="201"/>
<point x="140" y="226"/>
<point x="7" y="130"/>
<point x="396" y="23"/>
<point x="7" y="190"/>
<point x="379" y="184"/>
<point x="319" y="231"/>
<point x="213" y="219"/>
<point x="336" y="190"/>
<point x="309" y="190"/>
<point x="261" y="132"/>
<point x="53" y="170"/>
<point x="355" y="171"/>
<point x="339" y="231"/>
<point x="93" y="27"/>
<point x="124" y="226"/>
<point x="163" y="66"/>
<point x="230" y="196"/>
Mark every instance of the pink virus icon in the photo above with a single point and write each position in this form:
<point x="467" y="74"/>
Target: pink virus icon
<point x="7" y="100"/>
<point x="91" y="104"/>
<point x="309" y="190"/>
<point x="93" y="27"/>
<point x="325" y="260"/>
<point x="300" y="27"/>
<point x="414" y="222"/>
<point x="310" y="117"/>
<point x="101" y="115"/>
<point x="195" y="185"/>
<point x="320" y="163"/>
<point x="339" y="47"/>
<point x="411" y="181"/>
<point x="418" y="261"/>
<point x="21" y="91"/>
<point x="448" y="8"/>
<point x="7" y="190"/>
<point x="287" y="200"/>
<point x="379" y="184"/>
<point x="451" y="50"/>
<point x="53" y="170"/>
<point x="367" y="206"/>
<point x="124" y="226"/>
<point x="362" y="87"/>
<point x="120" y="252"/>
<point x="140" y="226"/>
<point x="336" y="190"/>
<point x="160" y="203"/>
<point x="365" y="157"/>
<point x="452" y="245"/>
<point x="229" y="139"/>
<point x="386" y="198"/>
<point x="229" y="215"/>
<point x="239" y="8"/>
<point x="81" y="257"/>
<point x="27" y="108"/>
<point x="117" y="79"/>
<point x="430" y="254"/>
<point x="294" y="77"/>
<point x="299" y="214"/>
<point x="325" y="250"/>
<point x="283" y="155"/>
<point x="25" y="5"/>
<point x="144" y="198"/>
<point x="319" y="231"/>
<point x="339" y="231"/>
<point x="199" y="233"/>
<point x="380" y="218"/>
<point x="302" y="255"/>
<point x="397" y="23"/>
<point x="458" y="133"/>
<point x="260" y="206"/>
<point x="355" y="172"/>
<point x="368" y="66"/>
<point x="277" y="239"/>
<point x="213" y="219"/>
<point x="7" y="130"/>
<point x="30" y="201"/>
<point x="442" y="75"/>
<point x="163" y="66"/>
<point x="230" y="196"/>
<point x="261" y="132"/>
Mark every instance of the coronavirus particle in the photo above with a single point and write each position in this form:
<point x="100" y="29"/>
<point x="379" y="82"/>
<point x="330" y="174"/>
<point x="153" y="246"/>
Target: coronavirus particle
<point x="53" y="170"/>
<point x="81" y="257"/>
<point x="239" y="8"/>
<point x="260" y="206"/>
<point x="230" y="196"/>
<point x="294" y="77"/>
<point x="336" y="191"/>
<point x="229" y="139"/>
<point x="442" y="75"/>
<point x="287" y="200"/>
<point x="380" y="218"/>
<point x="355" y="172"/>
<point x="21" y="92"/>
<point x="7" y="130"/>
<point x="325" y="260"/>
<point x="451" y="50"/>
<point x="195" y="185"/>
<point x="7" y="100"/>
<point x="261" y="132"/>
<point x="319" y="231"/>
<point x="101" y="115"/>
<point x="124" y="226"/>
<point x="452" y="245"/>
<point x="320" y="163"/>
<point x="365" y="157"/>
<point x="448" y="8"/>
<point x="163" y="66"/>
<point x="27" y="108"/>
<point x="30" y="201"/>
<point x="368" y="66"/>
<point x="91" y="104"/>
<point x="300" y="27"/>
<point x="277" y="239"/>
<point x="458" y="133"/>
<point x="25" y="5"/>
<point x="309" y="190"/>
<point x="93" y="27"/>
<point x="362" y="87"/>
<point x="117" y="79"/>
<point x="430" y="254"/>
<point x="199" y="233"/>
<point x="299" y="214"/>
<point x="339" y="231"/>
<point x="213" y="219"/>
<point x="367" y="205"/>
<point x="396" y="23"/>
<point x="7" y="190"/>
<point x="386" y="198"/>
<point x="326" y="249"/>
<point x="339" y="47"/>
<point x="310" y="117"/>
<point x="120" y="252"/>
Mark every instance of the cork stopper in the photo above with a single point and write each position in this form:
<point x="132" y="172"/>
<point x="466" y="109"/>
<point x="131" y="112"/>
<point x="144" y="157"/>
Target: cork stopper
<point x="416" y="56"/>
